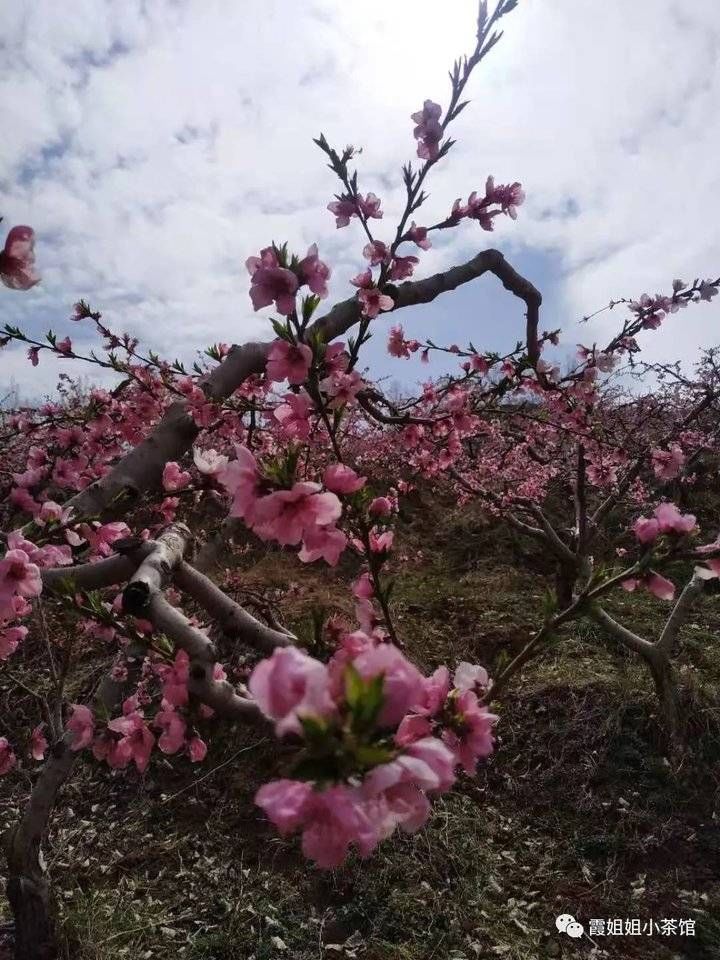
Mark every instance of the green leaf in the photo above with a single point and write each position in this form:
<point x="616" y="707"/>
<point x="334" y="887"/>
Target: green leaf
<point x="371" y="756"/>
<point x="281" y="329"/>
<point x="354" y="687"/>
<point x="314" y="728"/>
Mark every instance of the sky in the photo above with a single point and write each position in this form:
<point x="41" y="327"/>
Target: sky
<point x="154" y="146"/>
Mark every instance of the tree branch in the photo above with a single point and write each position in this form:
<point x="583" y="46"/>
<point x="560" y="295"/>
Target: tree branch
<point x="621" y="633"/>
<point x="231" y="618"/>
<point x="679" y="615"/>
<point x="141" y="468"/>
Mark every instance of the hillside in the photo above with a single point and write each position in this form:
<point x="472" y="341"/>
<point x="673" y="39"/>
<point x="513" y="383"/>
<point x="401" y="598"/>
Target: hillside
<point x="577" y="812"/>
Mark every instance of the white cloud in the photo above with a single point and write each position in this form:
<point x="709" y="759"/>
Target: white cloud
<point x="155" y="146"/>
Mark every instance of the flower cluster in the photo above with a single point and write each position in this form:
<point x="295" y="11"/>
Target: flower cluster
<point x="129" y="738"/>
<point x="666" y="519"/>
<point x="273" y="279"/>
<point x="276" y="507"/>
<point x="378" y="741"/>
<point x="19" y="582"/>
<point x="497" y="199"/>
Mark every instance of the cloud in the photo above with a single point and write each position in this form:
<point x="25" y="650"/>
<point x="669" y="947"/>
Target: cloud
<point x="155" y="147"/>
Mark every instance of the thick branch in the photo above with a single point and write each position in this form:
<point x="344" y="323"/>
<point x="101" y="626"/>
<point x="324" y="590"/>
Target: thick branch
<point x="155" y="571"/>
<point x="231" y="618"/>
<point x="141" y="469"/>
<point x="102" y="573"/>
<point x="220" y="695"/>
<point x="175" y="625"/>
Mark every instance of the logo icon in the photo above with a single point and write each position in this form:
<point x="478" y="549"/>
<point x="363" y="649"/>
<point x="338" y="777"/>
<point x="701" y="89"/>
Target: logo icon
<point x="566" y="923"/>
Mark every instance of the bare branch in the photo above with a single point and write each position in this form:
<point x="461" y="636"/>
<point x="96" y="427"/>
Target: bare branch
<point x="621" y="633"/>
<point x="231" y="618"/>
<point x="679" y="615"/>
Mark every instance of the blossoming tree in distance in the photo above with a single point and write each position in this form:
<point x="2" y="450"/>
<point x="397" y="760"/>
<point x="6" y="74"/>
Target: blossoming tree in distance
<point x="102" y="490"/>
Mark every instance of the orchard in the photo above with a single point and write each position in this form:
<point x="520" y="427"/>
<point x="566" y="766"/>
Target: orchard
<point x="127" y="512"/>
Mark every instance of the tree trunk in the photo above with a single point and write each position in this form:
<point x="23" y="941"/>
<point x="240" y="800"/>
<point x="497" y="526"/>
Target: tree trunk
<point x="29" y="896"/>
<point x="671" y="717"/>
<point x="28" y="887"/>
<point x="565" y="577"/>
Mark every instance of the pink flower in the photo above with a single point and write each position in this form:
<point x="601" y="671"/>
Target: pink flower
<point x="17" y="260"/>
<point x="646" y="530"/>
<point x="370" y="206"/>
<point x="330" y="819"/>
<point x="197" y="749"/>
<point x="64" y="346"/>
<point x="403" y="267"/>
<point x="437" y="687"/>
<point x="284" y="802"/>
<point x="168" y="508"/>
<point x="470" y="676"/>
<point x="333" y="819"/>
<point x="38" y="743"/>
<point x="381" y="542"/>
<point x="286" y="515"/>
<point x="18" y="577"/>
<point x="342" y="479"/>
<point x="438" y="759"/>
<point x="82" y="725"/>
<point x="335" y="358"/>
<point x="34" y="355"/>
<point x="668" y="463"/>
<point x="418" y="235"/>
<point x="670" y="519"/>
<point x="7" y="756"/>
<point x="327" y="543"/>
<point x="397" y="344"/>
<point x="346" y="207"/>
<point x="173" y="730"/>
<point x="271" y="282"/>
<point x="209" y="462"/>
<point x="342" y="387"/>
<point x="472" y="737"/>
<point x="289" y="685"/>
<point x="708" y="572"/>
<point x="659" y="586"/>
<point x="173" y="478"/>
<point x="509" y="197"/>
<point x="480" y="364"/>
<point x="136" y="743"/>
<point x="376" y="252"/>
<point x="428" y="130"/>
<point x="289" y="361"/>
<point x="241" y="479"/>
<point x="380" y="507"/>
<point x="478" y="209"/>
<point x="10" y="639"/>
<point x="314" y="272"/>
<point x="293" y="415"/>
<point x="412" y="727"/>
<point x="363" y="588"/>
<point x="101" y="537"/>
<point x="51" y="512"/>
<point x="363" y="279"/>
<point x="175" y="680"/>
<point x="403" y="687"/>
<point x="372" y="302"/>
